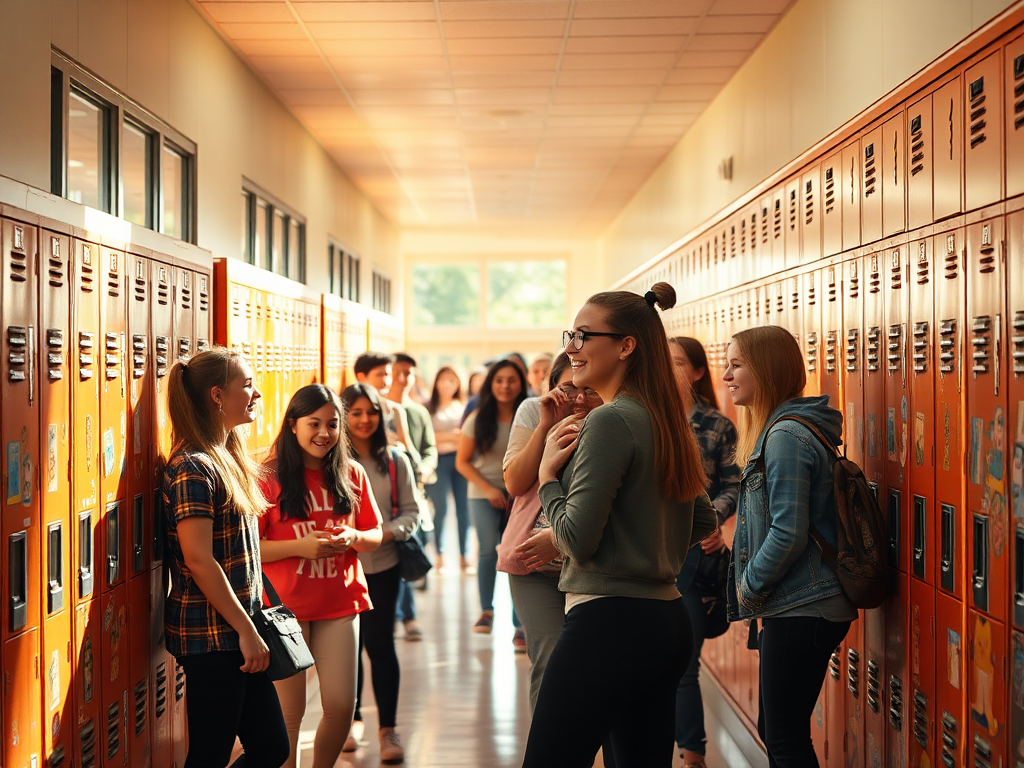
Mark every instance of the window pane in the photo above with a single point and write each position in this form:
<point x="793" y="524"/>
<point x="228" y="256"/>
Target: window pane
<point x="295" y="265"/>
<point x="136" y="175"/>
<point x="246" y="245"/>
<point x="446" y="294"/>
<point x="86" y="156"/>
<point x="174" y="193"/>
<point x="277" y="262"/>
<point x="260" y="243"/>
<point x="526" y="294"/>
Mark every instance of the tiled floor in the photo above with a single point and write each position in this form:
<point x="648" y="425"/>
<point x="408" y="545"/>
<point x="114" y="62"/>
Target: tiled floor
<point x="463" y="697"/>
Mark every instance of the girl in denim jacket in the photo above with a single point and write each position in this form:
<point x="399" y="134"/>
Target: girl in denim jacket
<point x="777" y="574"/>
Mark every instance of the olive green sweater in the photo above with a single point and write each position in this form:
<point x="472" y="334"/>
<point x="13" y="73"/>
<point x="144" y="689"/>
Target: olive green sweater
<point x="619" y="533"/>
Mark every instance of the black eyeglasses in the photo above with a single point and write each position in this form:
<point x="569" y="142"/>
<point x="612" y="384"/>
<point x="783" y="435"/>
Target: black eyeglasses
<point x="577" y="338"/>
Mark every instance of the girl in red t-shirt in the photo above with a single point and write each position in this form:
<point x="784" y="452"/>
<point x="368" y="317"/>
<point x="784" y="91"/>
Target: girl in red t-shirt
<point x="323" y="513"/>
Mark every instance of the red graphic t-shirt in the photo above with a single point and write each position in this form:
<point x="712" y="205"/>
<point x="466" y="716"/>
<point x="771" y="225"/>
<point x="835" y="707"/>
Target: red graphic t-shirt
<point x="331" y="587"/>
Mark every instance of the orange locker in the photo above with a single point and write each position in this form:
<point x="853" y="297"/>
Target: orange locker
<point x="921" y="423"/>
<point x="778" y="229"/>
<point x="792" y="219"/>
<point x="203" y="318"/>
<point x="55" y="490"/>
<point x="872" y="152"/>
<point x="1015" y="313"/>
<point x="1017" y="697"/>
<point x="983" y="123"/>
<point x="179" y="722"/>
<point x="161" y="670"/>
<point x="894" y="175"/>
<point x="792" y="309"/>
<point x="113" y="673"/>
<point x="765" y="261"/>
<point x="897" y="706"/>
<point x="139" y="642"/>
<point x="987" y="673"/>
<point x="810" y="214"/>
<point x="831" y="364"/>
<point x="834" y="694"/>
<point x="850" y="192"/>
<point x="947" y="133"/>
<point x="86" y="678"/>
<point x="184" y="302"/>
<point x="1014" y="109"/>
<point x="21" y="705"/>
<point x="986" y="411"/>
<point x="333" y="374"/>
<point x="732" y="272"/>
<point x="921" y="156"/>
<point x="899" y="408"/>
<point x="832" y="204"/>
<point x="810" y="320"/>
<point x="920" y="700"/>
<point x="951" y="654"/>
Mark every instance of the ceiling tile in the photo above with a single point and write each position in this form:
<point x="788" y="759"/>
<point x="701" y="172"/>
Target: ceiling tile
<point x="612" y="27"/>
<point x="651" y="44"/>
<point x="248" y="12"/>
<point x="749" y="7"/>
<point x="420" y="78"/>
<point x="618" y="61"/>
<point x="366" y="11"/>
<point x="378" y="30"/>
<point x="700" y="76"/>
<point x="603" y="77"/>
<point x="616" y="9"/>
<point x="727" y="25"/>
<point x="386" y="63"/>
<point x="377" y="48"/>
<point x="704" y="42"/>
<point x="263" y="31"/>
<point x="458" y="30"/>
<point x="287" y="64"/>
<point x="500" y="63"/>
<point x="276" y="47"/>
<point x="712" y="59"/>
<point x="684" y="93"/>
<point x="502" y="96"/>
<point x="401" y="98"/>
<point x="611" y="95"/>
<point x="503" y="79"/>
<point x="516" y="46"/>
<point x="504" y="9"/>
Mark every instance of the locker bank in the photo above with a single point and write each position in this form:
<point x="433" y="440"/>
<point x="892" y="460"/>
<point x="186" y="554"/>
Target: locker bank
<point x="298" y="180"/>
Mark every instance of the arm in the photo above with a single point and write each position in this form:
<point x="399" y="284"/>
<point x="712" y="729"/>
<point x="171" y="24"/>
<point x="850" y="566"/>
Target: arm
<point x="728" y="473"/>
<point x="464" y="465"/>
<point x="427" y="447"/>
<point x="521" y="470"/>
<point x="451" y="436"/>
<point x="407" y="518"/>
<point x="369" y="531"/>
<point x="312" y="546"/>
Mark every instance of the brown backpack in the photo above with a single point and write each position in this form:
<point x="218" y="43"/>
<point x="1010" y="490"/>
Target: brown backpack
<point x="860" y="560"/>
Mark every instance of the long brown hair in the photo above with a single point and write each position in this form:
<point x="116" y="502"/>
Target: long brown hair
<point x="773" y="359"/>
<point x="698" y="358"/>
<point x="195" y="426"/>
<point x="435" y="396"/>
<point x="650" y="380"/>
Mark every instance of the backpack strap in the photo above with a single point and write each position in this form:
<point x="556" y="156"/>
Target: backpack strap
<point x="828" y="552"/>
<point x="393" y="473"/>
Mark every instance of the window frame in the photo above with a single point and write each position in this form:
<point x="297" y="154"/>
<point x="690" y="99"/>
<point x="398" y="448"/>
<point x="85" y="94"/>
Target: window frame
<point x="381" y="292"/>
<point x="276" y="210"/>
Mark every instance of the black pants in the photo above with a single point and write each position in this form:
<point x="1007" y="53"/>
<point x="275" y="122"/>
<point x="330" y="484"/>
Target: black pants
<point x="794" y="658"/>
<point x="223" y="702"/>
<point x="377" y="636"/>
<point x="614" y="672"/>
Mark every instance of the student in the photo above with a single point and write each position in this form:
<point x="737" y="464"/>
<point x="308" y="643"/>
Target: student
<point x="212" y="504"/>
<point x="527" y="551"/>
<point x="399" y="506"/>
<point x="445" y="408"/>
<point x="537" y="376"/>
<point x="629" y="505"/>
<point x="376" y="369"/>
<point x="778" y="574"/>
<point x="479" y="459"/>
<point x="716" y="436"/>
<point x="323" y="513"/>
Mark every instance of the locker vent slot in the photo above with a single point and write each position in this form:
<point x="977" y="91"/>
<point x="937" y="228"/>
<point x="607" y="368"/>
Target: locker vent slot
<point x="830" y="191"/>
<point x="854" y="286"/>
<point x="920" y="534"/>
<point x="777" y="228"/>
<point x="86" y="344"/>
<point x="812" y="295"/>
<point x="19" y="259"/>
<point x="916" y="146"/>
<point x="950" y="729"/>
<point x="896" y="271"/>
<point x="921" y="726"/>
<point x="874" y="277"/>
<point x="923" y="267"/>
<point x="163" y="346"/>
<point x="1018" y="91"/>
<point x="947" y="553"/>
<point x="835" y="666"/>
<point x="895" y="703"/>
<point x="141" y="699"/>
<point x="874" y="348"/>
<point x="831" y="343"/>
<point x="54" y="354"/>
<point x="793" y="207"/>
<point x="874" y="687"/>
<point x="185" y="292"/>
<point x="113" y="278"/>
<point x="921" y="333"/>
<point x="161" y="689"/>
<point x="809" y="202"/>
<point x="947" y="345"/>
<point x="979" y="570"/>
<point x="895" y="353"/>
<point x="179" y="683"/>
<point x="869" y="170"/>
<point x="812" y="351"/>
<point x="56" y="758"/>
<point x="163" y="290"/>
<point x="204" y="295"/>
<point x="743" y="235"/>
<point x="794" y="300"/>
<point x="988" y="252"/>
<point x="138" y="355"/>
<point x="978" y="110"/>
<point x="1018" y="342"/>
<point x="732" y="243"/>
<point x="853" y="672"/>
<point x="982" y="752"/>
<point x="112" y="356"/>
<point x="87" y="738"/>
<point x="852" y="349"/>
<point x="184" y="347"/>
<point x="832" y="291"/>
<point x="17" y="352"/>
<point x="981" y="342"/>
<point x="952" y="263"/>
<point x="113" y="730"/>
<point x="56" y="273"/>
<point x="764" y="226"/>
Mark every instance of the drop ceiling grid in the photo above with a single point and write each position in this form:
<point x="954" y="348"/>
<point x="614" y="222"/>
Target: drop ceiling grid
<point x="463" y="113"/>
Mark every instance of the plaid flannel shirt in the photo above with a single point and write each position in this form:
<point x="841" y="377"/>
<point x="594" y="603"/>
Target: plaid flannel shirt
<point x="716" y="436"/>
<point x="191" y="488"/>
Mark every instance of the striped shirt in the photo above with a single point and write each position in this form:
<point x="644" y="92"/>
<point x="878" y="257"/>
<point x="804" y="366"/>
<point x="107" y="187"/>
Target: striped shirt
<point x="716" y="437"/>
<point x="191" y="488"/>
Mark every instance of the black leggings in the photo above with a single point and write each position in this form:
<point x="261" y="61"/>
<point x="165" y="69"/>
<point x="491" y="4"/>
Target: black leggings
<point x="794" y="658"/>
<point x="614" y="672"/>
<point x="377" y="635"/>
<point x="222" y="702"/>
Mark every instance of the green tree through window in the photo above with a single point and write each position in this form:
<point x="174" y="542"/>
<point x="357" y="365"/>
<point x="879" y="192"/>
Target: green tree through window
<point x="526" y="294"/>
<point x="446" y="294"/>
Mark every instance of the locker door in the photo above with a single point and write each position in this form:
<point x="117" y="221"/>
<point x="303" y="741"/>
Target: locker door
<point x="832" y="204"/>
<point x="894" y="175"/>
<point x="21" y="705"/>
<point x="921" y="424"/>
<point x="986" y="411"/>
<point x="987" y="671"/>
<point x="983" y="122"/>
<point x="1014" y="109"/>
<point x="114" y="676"/>
<point x="203" y="319"/>
<point x="810" y="320"/>
<point x="1015" y="307"/>
<point x="832" y="335"/>
<point x="55" y="490"/>
<point x="851" y="195"/>
<point x="919" y="180"/>
<point x="137" y="716"/>
<point x="747" y="231"/>
<point x="899" y="408"/>
<point x="179" y="722"/>
<point x="810" y="215"/>
<point x="86" y="679"/>
<point x="733" y="275"/>
<point x="257" y="336"/>
<point x="951" y="653"/>
<point x="161" y="670"/>
<point x="920" y="706"/>
<point x="793" y="204"/>
<point x="778" y="229"/>
<point x="1017" y="697"/>
<point x="947" y="130"/>
<point x="951" y="563"/>
<point x="871" y="185"/>
<point x="834" y="697"/>
<point x="792" y="312"/>
<point x="898" y="706"/>
<point x="162" y="319"/>
<point x="184" y="316"/>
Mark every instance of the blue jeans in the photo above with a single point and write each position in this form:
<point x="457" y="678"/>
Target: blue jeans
<point x="449" y="481"/>
<point x="689" y="704"/>
<point x="486" y="519"/>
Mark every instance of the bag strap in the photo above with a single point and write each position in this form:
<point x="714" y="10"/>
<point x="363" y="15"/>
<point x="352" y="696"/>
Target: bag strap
<point x="268" y="588"/>
<point x="393" y="474"/>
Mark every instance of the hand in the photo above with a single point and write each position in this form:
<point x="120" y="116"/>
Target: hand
<point x="315" y="545"/>
<point x="342" y="539"/>
<point x="713" y="543"/>
<point x="558" y="447"/>
<point x="555" y="405"/>
<point x="254" y="651"/>
<point x="497" y="498"/>
<point x="538" y="550"/>
<point x="425" y="474"/>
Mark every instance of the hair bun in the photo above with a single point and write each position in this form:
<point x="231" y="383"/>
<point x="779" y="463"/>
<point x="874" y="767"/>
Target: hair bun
<point x="662" y="294"/>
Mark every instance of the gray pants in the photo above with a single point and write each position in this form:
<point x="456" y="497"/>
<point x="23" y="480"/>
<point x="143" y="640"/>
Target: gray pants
<point x="541" y="609"/>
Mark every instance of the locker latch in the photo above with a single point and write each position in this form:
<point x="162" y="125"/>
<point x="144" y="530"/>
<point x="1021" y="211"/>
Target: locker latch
<point x="874" y="687"/>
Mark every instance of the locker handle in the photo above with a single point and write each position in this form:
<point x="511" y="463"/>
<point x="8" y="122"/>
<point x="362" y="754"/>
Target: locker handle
<point x="17" y="551"/>
<point x="980" y="565"/>
<point x="31" y="364"/>
<point x="999" y="352"/>
<point x="137" y="538"/>
<point x="55" y="574"/>
<point x="85" y="549"/>
<point x="894" y="527"/>
<point x="113" y="530"/>
<point x="1018" y="592"/>
<point x="948" y="538"/>
<point x="920" y="523"/>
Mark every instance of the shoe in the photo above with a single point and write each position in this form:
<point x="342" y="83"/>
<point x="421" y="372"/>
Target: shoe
<point x="420" y="584"/>
<point x="439" y="563"/>
<point x="484" y="623"/>
<point x="355" y="733"/>
<point x="519" y="641"/>
<point x="413" y="633"/>
<point x="391" y="749"/>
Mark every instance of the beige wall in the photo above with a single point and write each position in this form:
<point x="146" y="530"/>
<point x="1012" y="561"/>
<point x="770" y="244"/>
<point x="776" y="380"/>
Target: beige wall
<point x="163" y="55"/>
<point x="825" y="62"/>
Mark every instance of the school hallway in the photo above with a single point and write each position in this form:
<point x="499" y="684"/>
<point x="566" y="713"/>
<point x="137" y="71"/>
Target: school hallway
<point x="463" y="699"/>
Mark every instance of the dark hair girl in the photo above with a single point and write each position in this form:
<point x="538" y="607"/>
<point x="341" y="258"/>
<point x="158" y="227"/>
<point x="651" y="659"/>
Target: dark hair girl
<point x="486" y="429"/>
<point x="435" y="396"/>
<point x="699" y="374"/>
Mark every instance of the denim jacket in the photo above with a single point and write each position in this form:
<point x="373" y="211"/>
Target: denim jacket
<point x="776" y="566"/>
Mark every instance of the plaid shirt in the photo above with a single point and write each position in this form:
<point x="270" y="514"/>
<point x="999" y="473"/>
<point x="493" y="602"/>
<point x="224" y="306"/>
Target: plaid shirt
<point x="716" y="436"/>
<point x="191" y="488"/>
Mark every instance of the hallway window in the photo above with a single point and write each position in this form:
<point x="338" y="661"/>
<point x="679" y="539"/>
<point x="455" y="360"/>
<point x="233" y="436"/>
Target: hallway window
<point x="174" y="174"/>
<point x="273" y="235"/>
<point x="526" y="294"/>
<point x="381" y="292"/>
<point x="137" y="174"/>
<point x="88" y="144"/>
<point x="446" y="294"/>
